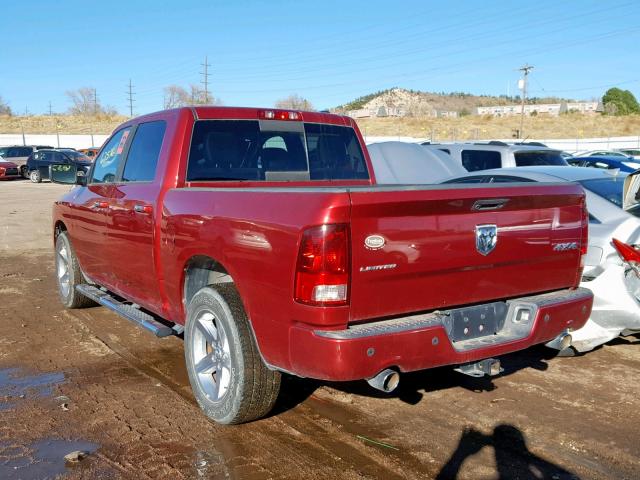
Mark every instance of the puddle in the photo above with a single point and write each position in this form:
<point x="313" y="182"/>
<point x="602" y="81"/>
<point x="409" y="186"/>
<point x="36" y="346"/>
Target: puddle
<point x="15" y="386"/>
<point x="41" y="460"/>
<point x="210" y="465"/>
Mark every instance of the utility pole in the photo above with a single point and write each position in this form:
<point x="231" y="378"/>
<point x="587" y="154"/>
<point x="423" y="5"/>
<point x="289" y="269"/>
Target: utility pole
<point x="95" y="101"/>
<point x="205" y="79"/>
<point x="523" y="86"/>
<point x="50" y="109"/>
<point x="130" y="94"/>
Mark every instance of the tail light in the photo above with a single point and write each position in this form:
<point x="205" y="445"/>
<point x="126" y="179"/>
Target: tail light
<point x="322" y="271"/>
<point x="279" y="115"/>
<point x="584" y="240"/>
<point x="629" y="255"/>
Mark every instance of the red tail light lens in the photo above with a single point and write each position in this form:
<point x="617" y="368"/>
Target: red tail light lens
<point x="322" y="271"/>
<point x="626" y="252"/>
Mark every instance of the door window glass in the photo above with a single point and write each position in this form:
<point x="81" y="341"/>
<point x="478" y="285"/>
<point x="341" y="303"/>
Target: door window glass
<point x="106" y="164"/>
<point x="144" y="152"/>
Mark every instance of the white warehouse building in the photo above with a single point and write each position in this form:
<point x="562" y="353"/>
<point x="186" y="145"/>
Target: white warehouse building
<point x="546" y="109"/>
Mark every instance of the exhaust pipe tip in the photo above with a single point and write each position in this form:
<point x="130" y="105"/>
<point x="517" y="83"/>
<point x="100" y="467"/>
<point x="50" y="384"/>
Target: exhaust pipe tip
<point x="385" y="381"/>
<point x="561" y="342"/>
<point x="565" y="341"/>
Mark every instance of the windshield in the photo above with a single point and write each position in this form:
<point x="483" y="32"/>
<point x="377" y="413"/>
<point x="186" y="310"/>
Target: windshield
<point x="274" y="151"/>
<point x="610" y="189"/>
<point x="540" y="157"/>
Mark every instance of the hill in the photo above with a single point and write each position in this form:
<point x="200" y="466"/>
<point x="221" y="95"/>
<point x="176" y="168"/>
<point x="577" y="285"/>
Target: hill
<point x="419" y="104"/>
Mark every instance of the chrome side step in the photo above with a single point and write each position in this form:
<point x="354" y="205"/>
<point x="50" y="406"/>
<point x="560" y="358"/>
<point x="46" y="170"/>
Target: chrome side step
<point x="129" y="312"/>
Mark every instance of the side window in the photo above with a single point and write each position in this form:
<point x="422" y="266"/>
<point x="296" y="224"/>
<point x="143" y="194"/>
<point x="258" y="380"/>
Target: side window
<point x="474" y="160"/>
<point x="144" y="152"/>
<point x="106" y="164"/>
<point x="47" y="157"/>
<point x="59" y="157"/>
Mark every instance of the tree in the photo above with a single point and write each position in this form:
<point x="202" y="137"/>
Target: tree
<point x="620" y="102"/>
<point x="85" y="102"/>
<point x="176" y="96"/>
<point x="5" y="109"/>
<point x="294" y="102"/>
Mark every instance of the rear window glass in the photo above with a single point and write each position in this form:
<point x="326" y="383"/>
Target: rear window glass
<point x="274" y="151"/>
<point x="19" y="152"/>
<point x="474" y="160"/>
<point x="529" y="159"/>
<point x="608" y="188"/>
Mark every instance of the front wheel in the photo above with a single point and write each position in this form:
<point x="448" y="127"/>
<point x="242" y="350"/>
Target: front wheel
<point x="24" y="171"/>
<point x="35" y="176"/>
<point x="229" y="379"/>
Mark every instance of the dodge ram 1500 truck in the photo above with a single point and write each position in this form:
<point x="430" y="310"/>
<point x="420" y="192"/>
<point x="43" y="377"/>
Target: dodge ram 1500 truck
<point x="262" y="236"/>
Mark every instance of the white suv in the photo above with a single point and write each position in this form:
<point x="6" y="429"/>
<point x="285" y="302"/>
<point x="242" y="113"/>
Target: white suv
<point x="483" y="156"/>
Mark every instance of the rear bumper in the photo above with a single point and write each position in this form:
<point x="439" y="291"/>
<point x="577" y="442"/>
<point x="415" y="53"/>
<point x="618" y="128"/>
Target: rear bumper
<point x="419" y="342"/>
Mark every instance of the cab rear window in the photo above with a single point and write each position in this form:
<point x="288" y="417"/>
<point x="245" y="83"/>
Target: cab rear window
<point x="529" y="159"/>
<point x="272" y="150"/>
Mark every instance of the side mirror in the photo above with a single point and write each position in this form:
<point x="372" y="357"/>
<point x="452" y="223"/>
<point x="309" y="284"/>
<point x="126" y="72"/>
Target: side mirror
<point x="66" y="174"/>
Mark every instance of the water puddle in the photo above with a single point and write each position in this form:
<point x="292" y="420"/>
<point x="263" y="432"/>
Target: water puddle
<point x="40" y="460"/>
<point x="14" y="386"/>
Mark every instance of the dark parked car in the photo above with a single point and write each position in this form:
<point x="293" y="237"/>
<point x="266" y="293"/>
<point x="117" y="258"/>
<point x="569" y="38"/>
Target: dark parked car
<point x="38" y="162"/>
<point x="18" y="154"/>
<point x="606" y="162"/>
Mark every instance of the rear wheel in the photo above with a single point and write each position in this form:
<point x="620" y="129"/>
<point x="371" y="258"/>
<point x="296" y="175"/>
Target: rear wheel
<point x="35" y="176"/>
<point x="229" y="379"/>
<point x="24" y="171"/>
<point x="69" y="275"/>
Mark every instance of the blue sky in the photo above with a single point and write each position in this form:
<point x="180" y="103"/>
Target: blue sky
<point x="328" y="51"/>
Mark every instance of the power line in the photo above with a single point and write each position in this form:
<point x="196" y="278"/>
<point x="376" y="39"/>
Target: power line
<point x="525" y="71"/>
<point x="205" y="79"/>
<point x="130" y="94"/>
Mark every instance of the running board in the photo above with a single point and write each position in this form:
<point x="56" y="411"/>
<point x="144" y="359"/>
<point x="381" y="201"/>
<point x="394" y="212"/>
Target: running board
<point x="129" y="312"/>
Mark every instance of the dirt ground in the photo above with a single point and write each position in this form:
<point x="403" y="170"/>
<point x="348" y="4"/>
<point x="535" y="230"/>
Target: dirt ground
<point x="89" y="380"/>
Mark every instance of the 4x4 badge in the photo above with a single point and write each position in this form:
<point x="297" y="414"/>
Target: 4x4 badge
<point x="486" y="238"/>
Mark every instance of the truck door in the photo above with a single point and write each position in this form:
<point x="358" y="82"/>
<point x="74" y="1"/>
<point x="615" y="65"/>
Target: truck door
<point x="131" y="228"/>
<point x="90" y="207"/>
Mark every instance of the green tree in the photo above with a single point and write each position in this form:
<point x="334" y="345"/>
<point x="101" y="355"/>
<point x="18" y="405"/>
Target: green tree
<point x="620" y="102"/>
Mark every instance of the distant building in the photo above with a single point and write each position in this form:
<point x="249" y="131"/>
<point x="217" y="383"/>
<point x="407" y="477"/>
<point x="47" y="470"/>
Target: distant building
<point x="545" y="109"/>
<point x="400" y="111"/>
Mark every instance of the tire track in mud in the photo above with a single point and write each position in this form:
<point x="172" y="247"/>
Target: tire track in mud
<point x="317" y="426"/>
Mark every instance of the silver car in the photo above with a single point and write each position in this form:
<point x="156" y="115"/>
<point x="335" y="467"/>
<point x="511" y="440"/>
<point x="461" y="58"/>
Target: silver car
<point x="614" y="282"/>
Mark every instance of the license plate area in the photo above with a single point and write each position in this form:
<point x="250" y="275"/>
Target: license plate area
<point x="475" y="322"/>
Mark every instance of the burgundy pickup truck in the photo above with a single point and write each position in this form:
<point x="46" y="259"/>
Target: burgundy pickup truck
<point x="262" y="236"/>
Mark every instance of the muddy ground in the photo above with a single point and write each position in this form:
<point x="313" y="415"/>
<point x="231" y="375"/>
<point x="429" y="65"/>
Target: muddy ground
<point x="89" y="380"/>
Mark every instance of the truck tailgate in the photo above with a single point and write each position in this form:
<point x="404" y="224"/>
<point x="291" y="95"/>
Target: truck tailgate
<point x="416" y="248"/>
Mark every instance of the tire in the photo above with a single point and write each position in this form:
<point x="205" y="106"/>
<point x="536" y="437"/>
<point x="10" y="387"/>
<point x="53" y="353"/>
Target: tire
<point x="67" y="266"/>
<point x="24" y="172"/>
<point x="35" y="176"/>
<point x="230" y="381"/>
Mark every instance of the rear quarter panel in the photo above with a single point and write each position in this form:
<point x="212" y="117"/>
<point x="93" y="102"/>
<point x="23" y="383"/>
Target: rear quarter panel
<point x="254" y="233"/>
